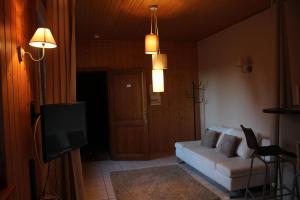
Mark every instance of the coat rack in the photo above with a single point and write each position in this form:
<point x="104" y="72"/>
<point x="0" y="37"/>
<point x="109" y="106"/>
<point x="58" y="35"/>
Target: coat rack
<point x="198" y="99"/>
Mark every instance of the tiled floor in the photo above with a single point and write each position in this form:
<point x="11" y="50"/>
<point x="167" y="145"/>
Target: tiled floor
<point x="97" y="176"/>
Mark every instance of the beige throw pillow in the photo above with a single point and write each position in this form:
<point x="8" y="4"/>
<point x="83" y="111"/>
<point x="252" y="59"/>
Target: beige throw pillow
<point x="210" y="138"/>
<point x="227" y="145"/>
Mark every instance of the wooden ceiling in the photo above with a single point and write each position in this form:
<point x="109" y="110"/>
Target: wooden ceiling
<point x="177" y="19"/>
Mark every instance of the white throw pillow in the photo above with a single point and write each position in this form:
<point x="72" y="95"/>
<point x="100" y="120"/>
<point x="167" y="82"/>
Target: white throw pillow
<point x="243" y="151"/>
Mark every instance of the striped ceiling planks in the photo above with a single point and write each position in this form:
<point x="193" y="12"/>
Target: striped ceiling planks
<point x="178" y="19"/>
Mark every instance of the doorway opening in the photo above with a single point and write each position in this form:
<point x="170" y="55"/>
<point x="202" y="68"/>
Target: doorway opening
<point x="92" y="88"/>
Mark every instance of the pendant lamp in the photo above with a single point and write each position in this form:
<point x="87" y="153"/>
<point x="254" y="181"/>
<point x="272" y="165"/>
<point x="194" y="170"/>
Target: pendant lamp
<point x="159" y="61"/>
<point x="152" y="40"/>
<point x="158" y="80"/>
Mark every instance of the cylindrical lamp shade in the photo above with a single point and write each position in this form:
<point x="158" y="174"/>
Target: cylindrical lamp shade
<point x="151" y="44"/>
<point x="159" y="61"/>
<point x="158" y="80"/>
<point x="43" y="38"/>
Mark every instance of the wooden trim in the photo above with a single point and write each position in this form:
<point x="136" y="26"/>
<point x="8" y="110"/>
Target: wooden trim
<point x="161" y="155"/>
<point x="7" y="192"/>
<point x="107" y="69"/>
<point x="92" y="69"/>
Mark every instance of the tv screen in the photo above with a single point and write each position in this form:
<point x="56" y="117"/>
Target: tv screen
<point x="63" y="129"/>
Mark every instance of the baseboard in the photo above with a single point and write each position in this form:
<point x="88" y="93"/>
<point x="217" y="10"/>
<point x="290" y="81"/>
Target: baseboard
<point x="161" y="155"/>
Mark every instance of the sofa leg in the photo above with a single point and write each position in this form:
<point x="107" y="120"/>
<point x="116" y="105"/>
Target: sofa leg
<point x="235" y="194"/>
<point x="179" y="161"/>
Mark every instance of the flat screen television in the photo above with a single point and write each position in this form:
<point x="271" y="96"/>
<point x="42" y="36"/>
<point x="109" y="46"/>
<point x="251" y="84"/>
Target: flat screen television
<point x="63" y="129"/>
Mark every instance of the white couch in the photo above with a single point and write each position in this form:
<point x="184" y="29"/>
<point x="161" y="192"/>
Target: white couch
<point x="231" y="173"/>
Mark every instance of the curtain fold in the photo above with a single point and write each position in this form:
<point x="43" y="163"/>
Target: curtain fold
<point x="66" y="172"/>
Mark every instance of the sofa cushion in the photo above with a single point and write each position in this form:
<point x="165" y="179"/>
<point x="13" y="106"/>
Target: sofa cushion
<point x="187" y="144"/>
<point x="237" y="167"/>
<point x="227" y="145"/>
<point x="234" y="132"/>
<point x="210" y="138"/>
<point x="208" y="156"/>
<point x="242" y="149"/>
<point x="219" y="129"/>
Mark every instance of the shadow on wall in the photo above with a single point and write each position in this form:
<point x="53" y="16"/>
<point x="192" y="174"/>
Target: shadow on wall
<point x="235" y="97"/>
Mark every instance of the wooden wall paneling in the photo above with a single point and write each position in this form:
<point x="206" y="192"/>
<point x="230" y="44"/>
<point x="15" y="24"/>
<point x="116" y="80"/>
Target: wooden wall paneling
<point x="110" y="54"/>
<point x="62" y="59"/>
<point x="9" y="128"/>
<point x="16" y="96"/>
<point x="24" y="94"/>
<point x="2" y="66"/>
<point x="49" y="79"/>
<point x="173" y="120"/>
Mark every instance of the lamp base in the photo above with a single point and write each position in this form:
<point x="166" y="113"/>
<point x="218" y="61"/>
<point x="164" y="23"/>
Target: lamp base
<point x="153" y="8"/>
<point x="21" y="53"/>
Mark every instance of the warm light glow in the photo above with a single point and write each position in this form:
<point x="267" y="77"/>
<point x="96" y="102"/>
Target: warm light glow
<point x="158" y="80"/>
<point x="159" y="61"/>
<point x="151" y="44"/>
<point x="43" y="38"/>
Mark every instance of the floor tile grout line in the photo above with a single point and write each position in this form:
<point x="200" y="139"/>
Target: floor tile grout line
<point x="102" y="177"/>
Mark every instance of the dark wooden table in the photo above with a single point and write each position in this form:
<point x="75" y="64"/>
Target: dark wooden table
<point x="282" y="110"/>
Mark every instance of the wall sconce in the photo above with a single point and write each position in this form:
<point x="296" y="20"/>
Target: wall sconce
<point x="158" y="80"/>
<point x="43" y="39"/>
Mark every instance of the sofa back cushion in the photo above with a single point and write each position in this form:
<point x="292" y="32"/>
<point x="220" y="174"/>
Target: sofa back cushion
<point x="210" y="138"/>
<point x="242" y="150"/>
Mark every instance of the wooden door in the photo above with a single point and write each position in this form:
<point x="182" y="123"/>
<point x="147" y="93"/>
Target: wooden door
<point x="128" y="115"/>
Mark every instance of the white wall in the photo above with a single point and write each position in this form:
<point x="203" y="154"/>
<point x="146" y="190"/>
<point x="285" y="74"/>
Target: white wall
<point x="293" y="35"/>
<point x="290" y="124"/>
<point x="234" y="97"/>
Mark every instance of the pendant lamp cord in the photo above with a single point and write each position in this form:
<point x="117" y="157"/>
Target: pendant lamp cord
<point x="156" y="27"/>
<point x="151" y="22"/>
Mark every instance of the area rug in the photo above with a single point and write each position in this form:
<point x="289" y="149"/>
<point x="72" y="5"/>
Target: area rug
<point x="158" y="183"/>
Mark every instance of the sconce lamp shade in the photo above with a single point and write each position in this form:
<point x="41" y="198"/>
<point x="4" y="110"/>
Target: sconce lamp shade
<point x="43" y="38"/>
<point x="151" y="44"/>
<point x="159" y="61"/>
<point x="158" y="80"/>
